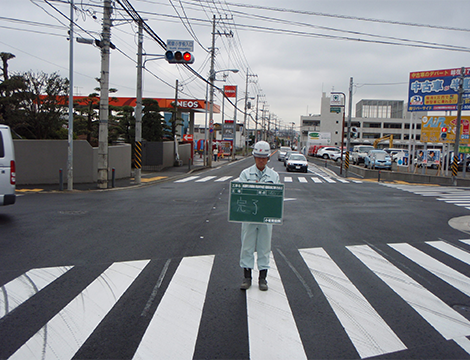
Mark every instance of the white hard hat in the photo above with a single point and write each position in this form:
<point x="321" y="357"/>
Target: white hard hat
<point x="261" y="149"/>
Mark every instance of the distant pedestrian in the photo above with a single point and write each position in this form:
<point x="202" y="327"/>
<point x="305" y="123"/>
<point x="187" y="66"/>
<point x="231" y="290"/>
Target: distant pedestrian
<point x="257" y="237"/>
<point x="216" y="153"/>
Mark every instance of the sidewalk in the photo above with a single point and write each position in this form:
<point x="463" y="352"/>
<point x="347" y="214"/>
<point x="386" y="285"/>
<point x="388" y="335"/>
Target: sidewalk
<point x="147" y="177"/>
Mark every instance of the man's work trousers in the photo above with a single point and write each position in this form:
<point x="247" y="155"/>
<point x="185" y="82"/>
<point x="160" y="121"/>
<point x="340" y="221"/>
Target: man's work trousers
<point x="255" y="238"/>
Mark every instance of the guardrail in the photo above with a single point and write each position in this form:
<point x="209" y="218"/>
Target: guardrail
<point x="386" y="175"/>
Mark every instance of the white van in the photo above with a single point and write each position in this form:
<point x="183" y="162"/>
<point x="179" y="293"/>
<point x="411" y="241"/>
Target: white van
<point x="7" y="167"/>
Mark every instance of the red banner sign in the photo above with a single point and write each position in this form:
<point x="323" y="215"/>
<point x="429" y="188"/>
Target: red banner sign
<point x="230" y="90"/>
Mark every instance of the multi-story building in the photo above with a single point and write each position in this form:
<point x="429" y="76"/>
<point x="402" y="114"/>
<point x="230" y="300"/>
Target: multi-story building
<point x="374" y="119"/>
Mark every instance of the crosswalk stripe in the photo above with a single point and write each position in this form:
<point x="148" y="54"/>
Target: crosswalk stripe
<point x="466" y="241"/>
<point x="223" y="178"/>
<point x="207" y="178"/>
<point x="448" y="322"/>
<point x="457" y="253"/>
<point x="173" y="330"/>
<point x="190" y="178"/>
<point x="328" y="179"/>
<point x="287" y="179"/>
<point x="23" y="287"/>
<point x="68" y="330"/>
<point x="272" y="329"/>
<point x="271" y="325"/>
<point x="464" y="343"/>
<point x="367" y="330"/>
<point x="446" y="273"/>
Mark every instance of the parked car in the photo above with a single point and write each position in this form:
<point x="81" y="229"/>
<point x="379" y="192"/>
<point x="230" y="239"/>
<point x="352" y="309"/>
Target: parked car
<point x="282" y="152"/>
<point x="378" y="159"/>
<point x="7" y="167"/>
<point x="359" y="152"/>
<point x="337" y="156"/>
<point x="297" y="162"/>
<point x="326" y="152"/>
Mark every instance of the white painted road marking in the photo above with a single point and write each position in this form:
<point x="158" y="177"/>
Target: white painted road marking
<point x="66" y="332"/>
<point x="23" y="287"/>
<point x="271" y="325"/>
<point x="190" y="178"/>
<point x="448" y="322"/>
<point x="446" y="273"/>
<point x="172" y="333"/>
<point x="367" y="330"/>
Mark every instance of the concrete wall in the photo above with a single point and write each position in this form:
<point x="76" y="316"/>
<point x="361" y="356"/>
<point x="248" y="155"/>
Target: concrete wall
<point x="39" y="161"/>
<point x="160" y="155"/>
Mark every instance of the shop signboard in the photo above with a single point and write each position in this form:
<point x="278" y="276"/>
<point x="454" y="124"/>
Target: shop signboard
<point x="437" y="90"/>
<point x="443" y="129"/>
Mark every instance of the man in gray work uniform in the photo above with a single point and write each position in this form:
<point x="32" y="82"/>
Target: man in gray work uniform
<point x="257" y="237"/>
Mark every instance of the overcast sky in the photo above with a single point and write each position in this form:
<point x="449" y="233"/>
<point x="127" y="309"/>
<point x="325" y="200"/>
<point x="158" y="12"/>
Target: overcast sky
<point x="297" y="49"/>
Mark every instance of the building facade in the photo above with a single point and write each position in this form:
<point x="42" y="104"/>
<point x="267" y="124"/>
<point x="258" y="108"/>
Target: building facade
<point x="375" y="119"/>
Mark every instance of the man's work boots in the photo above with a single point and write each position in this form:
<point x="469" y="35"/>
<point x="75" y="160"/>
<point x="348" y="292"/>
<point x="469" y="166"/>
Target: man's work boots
<point x="246" y="283"/>
<point x="262" y="283"/>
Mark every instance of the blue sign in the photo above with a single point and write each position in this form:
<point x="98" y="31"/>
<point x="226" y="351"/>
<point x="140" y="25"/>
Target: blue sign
<point x="437" y="90"/>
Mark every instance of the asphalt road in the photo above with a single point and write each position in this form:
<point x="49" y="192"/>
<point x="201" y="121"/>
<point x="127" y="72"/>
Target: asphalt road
<point x="359" y="270"/>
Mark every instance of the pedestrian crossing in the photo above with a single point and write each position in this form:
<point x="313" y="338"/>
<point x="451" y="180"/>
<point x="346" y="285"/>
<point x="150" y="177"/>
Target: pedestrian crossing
<point x="315" y="179"/>
<point x="272" y="326"/>
<point x="451" y="195"/>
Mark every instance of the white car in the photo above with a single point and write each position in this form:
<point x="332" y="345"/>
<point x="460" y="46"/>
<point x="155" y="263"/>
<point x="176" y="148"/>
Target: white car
<point x="297" y="162"/>
<point x="337" y="156"/>
<point x="327" y="152"/>
<point x="282" y="152"/>
<point x="7" y="167"/>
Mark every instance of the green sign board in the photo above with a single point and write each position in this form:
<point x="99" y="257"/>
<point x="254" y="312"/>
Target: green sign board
<point x="335" y="109"/>
<point x="464" y="149"/>
<point x="256" y="202"/>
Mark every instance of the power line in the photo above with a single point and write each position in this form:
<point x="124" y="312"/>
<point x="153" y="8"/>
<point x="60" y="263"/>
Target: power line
<point x="347" y="17"/>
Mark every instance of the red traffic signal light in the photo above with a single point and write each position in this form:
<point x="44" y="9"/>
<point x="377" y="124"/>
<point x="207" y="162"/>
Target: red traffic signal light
<point x="177" y="57"/>
<point x="443" y="132"/>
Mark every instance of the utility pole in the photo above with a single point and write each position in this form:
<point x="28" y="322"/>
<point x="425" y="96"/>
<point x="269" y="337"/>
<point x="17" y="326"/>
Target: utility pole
<point x="70" y="133"/>
<point x="211" y="96"/>
<point x="245" y="150"/>
<point x="348" y="141"/>
<point x="138" y="109"/>
<point x="234" y="125"/>
<point x="104" y="98"/>
<point x="457" y="130"/>
<point x="173" y="125"/>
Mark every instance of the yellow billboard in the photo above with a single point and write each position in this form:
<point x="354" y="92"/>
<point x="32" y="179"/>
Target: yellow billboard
<point x="432" y="126"/>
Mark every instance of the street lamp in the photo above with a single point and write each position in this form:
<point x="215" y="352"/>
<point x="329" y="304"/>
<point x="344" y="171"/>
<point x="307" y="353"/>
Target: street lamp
<point x="211" y="110"/>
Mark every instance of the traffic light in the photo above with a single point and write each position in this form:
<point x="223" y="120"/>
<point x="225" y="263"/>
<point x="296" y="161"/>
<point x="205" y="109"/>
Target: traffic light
<point x="444" y="132"/>
<point x="178" y="57"/>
